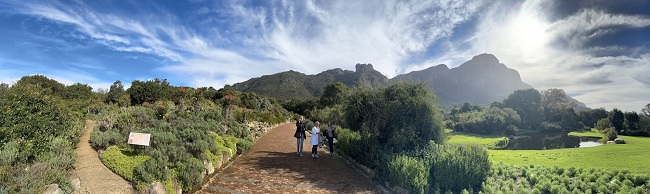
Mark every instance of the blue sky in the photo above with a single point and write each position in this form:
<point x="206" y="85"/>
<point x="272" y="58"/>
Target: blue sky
<point x="596" y="50"/>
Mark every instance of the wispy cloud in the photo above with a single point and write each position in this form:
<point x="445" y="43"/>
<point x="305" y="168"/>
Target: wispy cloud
<point x="225" y="42"/>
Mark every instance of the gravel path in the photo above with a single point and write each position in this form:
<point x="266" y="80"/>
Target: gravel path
<point x="94" y="176"/>
<point x="272" y="166"/>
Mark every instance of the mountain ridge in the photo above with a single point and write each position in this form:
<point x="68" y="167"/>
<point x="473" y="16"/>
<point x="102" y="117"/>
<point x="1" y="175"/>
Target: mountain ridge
<point x="480" y="80"/>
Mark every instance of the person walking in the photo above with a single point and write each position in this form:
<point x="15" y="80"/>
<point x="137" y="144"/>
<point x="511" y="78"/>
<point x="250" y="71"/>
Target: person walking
<point x="315" y="131"/>
<point x="300" y="134"/>
<point x="329" y="132"/>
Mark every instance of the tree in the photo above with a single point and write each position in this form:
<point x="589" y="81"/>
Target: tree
<point x="333" y="94"/>
<point x="47" y="86"/>
<point x="3" y="87"/>
<point x="527" y="104"/>
<point x="617" y="118"/>
<point x="590" y="117"/>
<point x="78" y="91"/>
<point x="401" y="117"/>
<point x="603" y="124"/>
<point x="34" y="119"/>
<point x="149" y="91"/>
<point x="554" y="102"/>
<point x="570" y="120"/>
<point x="115" y="92"/>
<point x="631" y="122"/>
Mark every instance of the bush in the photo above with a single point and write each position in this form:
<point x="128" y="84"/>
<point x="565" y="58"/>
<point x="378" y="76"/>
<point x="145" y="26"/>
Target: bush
<point x="190" y="173"/>
<point x="609" y="134"/>
<point x="101" y="140"/>
<point x="243" y="145"/>
<point x="468" y="163"/>
<point x="122" y="161"/>
<point x="403" y="117"/>
<point x="409" y="172"/>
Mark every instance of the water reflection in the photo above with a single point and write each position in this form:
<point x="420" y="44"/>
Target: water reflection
<point x="546" y="141"/>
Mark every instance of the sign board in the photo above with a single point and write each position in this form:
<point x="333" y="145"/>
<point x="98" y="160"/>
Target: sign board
<point x="139" y="138"/>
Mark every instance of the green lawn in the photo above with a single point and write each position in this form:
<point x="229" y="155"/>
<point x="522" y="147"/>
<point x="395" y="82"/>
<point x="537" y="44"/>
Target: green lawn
<point x="633" y="156"/>
<point x="488" y="141"/>
<point x="586" y="134"/>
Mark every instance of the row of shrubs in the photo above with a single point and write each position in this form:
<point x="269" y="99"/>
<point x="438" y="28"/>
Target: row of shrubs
<point x="543" y="179"/>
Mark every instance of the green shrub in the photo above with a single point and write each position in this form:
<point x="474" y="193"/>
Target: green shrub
<point x="468" y="163"/>
<point x="609" y="134"/>
<point x="122" y="161"/>
<point x="102" y="140"/>
<point x="243" y="145"/>
<point x="190" y="173"/>
<point x="231" y="142"/>
<point x="409" y="172"/>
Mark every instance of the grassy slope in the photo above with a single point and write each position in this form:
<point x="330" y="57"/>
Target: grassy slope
<point x="633" y="156"/>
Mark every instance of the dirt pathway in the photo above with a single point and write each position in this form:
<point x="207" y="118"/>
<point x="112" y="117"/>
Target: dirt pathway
<point x="94" y="176"/>
<point x="272" y="166"/>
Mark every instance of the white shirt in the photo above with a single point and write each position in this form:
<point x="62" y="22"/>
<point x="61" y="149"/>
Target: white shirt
<point x="314" y="136"/>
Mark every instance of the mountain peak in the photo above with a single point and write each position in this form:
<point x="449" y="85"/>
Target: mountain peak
<point x="363" y="67"/>
<point x="485" y="58"/>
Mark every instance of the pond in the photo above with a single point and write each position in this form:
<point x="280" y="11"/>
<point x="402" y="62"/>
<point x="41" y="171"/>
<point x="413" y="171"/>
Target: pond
<point x="547" y="141"/>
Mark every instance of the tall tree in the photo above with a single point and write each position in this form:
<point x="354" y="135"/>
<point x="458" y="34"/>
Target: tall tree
<point x="115" y="92"/>
<point x="527" y="104"/>
<point x="631" y="122"/>
<point x="554" y="102"/>
<point x="617" y="118"/>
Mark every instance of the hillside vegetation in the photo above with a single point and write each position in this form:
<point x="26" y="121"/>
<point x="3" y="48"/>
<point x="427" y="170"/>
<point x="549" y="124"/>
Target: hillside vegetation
<point x="41" y="122"/>
<point x="189" y="128"/>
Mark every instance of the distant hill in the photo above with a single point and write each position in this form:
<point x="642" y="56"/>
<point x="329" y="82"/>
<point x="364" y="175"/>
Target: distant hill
<point x="481" y="80"/>
<point x="295" y="85"/>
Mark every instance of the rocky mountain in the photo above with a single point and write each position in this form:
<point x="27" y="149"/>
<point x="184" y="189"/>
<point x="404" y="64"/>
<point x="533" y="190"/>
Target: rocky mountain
<point x="481" y="80"/>
<point x="295" y="85"/>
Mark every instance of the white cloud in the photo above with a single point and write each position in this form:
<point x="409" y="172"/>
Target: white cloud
<point x="588" y="24"/>
<point x="525" y="41"/>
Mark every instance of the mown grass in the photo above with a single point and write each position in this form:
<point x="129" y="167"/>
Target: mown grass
<point x="489" y="141"/>
<point x="633" y="156"/>
<point x="586" y="134"/>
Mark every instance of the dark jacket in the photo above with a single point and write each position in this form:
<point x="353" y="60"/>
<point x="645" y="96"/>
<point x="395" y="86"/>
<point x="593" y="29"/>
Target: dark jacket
<point x="301" y="128"/>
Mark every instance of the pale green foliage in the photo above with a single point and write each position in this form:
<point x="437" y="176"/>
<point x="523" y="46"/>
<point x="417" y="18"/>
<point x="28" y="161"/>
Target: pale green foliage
<point x="122" y="161"/>
<point x="409" y="172"/>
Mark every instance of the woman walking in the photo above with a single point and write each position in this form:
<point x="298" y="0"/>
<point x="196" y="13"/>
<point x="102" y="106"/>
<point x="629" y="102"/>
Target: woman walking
<point x="314" y="140"/>
<point x="300" y="134"/>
